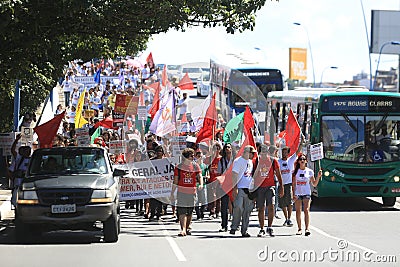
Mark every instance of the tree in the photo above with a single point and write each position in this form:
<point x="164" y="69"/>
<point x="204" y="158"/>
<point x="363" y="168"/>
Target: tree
<point x="40" y="36"/>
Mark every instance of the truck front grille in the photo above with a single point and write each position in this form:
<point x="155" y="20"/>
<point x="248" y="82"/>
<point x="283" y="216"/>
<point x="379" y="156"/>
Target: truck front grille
<point x="64" y="196"/>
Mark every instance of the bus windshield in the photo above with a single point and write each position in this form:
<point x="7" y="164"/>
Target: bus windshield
<point x="361" y="138"/>
<point x="242" y="84"/>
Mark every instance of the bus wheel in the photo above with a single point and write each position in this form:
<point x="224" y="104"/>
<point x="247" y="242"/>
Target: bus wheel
<point x="388" y="201"/>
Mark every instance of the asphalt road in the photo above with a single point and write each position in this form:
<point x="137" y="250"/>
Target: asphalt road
<point x="345" y="232"/>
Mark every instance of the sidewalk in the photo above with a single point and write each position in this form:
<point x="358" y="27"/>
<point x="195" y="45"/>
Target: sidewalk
<point x="5" y="197"/>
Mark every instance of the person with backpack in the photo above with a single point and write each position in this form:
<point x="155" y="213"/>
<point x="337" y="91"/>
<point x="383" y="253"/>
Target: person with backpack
<point x="186" y="176"/>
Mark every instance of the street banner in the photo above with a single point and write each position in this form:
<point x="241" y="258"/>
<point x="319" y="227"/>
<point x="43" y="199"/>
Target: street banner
<point x="126" y="104"/>
<point x="148" y="179"/>
<point x="298" y="64"/>
<point x="317" y="151"/>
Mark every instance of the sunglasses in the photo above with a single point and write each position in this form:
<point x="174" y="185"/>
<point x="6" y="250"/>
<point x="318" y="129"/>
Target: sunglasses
<point x="302" y="159"/>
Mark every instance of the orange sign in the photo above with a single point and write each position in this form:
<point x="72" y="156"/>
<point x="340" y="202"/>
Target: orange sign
<point x="298" y="63"/>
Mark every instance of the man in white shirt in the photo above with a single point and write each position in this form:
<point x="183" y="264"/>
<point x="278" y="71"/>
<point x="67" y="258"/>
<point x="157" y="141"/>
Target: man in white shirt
<point x="286" y="165"/>
<point x="242" y="181"/>
<point x="66" y="85"/>
<point x="145" y="73"/>
<point x="182" y="105"/>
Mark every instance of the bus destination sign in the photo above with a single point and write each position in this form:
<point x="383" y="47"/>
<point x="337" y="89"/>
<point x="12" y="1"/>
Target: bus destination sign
<point x="359" y="104"/>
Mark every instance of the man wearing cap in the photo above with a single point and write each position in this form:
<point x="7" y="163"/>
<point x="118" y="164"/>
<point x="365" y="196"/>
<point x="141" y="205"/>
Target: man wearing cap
<point x="242" y="181"/>
<point x="264" y="181"/>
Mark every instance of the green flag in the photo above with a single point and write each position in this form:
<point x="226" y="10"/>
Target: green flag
<point x="96" y="134"/>
<point x="234" y="129"/>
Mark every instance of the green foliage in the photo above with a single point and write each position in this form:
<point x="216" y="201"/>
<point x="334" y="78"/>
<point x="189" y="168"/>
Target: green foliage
<point x="40" y="36"/>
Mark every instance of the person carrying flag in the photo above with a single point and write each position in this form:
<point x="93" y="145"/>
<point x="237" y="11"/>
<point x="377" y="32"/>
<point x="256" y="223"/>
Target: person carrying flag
<point x="264" y="181"/>
<point x="242" y="181"/>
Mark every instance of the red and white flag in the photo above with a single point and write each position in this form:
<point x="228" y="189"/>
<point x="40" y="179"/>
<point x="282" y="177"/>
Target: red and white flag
<point x="208" y="130"/>
<point x="156" y="102"/>
<point x="164" y="120"/>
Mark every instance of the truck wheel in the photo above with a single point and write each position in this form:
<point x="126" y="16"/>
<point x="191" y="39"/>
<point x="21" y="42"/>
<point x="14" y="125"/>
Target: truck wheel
<point x="388" y="201"/>
<point x="22" y="231"/>
<point x="111" y="228"/>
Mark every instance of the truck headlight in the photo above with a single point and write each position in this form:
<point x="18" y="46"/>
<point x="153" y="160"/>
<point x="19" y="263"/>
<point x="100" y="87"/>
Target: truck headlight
<point x="27" y="197"/>
<point x="101" y="196"/>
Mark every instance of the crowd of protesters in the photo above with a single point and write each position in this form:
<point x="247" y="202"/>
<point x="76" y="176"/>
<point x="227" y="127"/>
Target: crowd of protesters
<point x="256" y="172"/>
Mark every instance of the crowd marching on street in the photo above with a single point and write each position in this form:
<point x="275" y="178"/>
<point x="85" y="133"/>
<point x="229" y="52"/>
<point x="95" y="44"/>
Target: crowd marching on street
<point x="255" y="175"/>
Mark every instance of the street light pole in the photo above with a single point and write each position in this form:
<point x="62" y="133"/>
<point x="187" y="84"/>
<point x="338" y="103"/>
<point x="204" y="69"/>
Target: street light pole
<point x="379" y="58"/>
<point x="322" y="74"/>
<point x="309" y="45"/>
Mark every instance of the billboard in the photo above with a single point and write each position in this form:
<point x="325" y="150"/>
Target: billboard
<point x="298" y="63"/>
<point x="385" y="28"/>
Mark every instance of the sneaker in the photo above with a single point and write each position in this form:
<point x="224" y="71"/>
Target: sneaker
<point x="286" y="223"/>
<point x="289" y="223"/>
<point x="261" y="233"/>
<point x="270" y="231"/>
<point x="223" y="230"/>
<point x="232" y="232"/>
<point x="246" y="235"/>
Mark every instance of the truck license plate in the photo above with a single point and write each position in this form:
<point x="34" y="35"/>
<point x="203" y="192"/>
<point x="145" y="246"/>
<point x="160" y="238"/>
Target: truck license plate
<point x="67" y="208"/>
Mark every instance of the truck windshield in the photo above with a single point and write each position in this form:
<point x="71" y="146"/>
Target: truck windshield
<point x="58" y="161"/>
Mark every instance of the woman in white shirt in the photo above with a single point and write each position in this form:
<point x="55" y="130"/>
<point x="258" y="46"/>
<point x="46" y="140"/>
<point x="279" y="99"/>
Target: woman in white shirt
<point x="302" y="179"/>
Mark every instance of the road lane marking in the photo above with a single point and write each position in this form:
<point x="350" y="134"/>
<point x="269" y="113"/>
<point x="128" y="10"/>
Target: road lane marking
<point x="175" y="248"/>
<point x="338" y="238"/>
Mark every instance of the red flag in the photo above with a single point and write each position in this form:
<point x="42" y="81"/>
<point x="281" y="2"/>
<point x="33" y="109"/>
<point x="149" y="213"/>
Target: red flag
<point x="210" y="121"/>
<point x="150" y="61"/>
<point x="48" y="130"/>
<point x="141" y="98"/>
<point x="152" y="87"/>
<point x="184" y="118"/>
<point x="226" y="178"/>
<point x="106" y="123"/>
<point x="292" y="136"/>
<point x="186" y="83"/>
<point x="248" y="124"/>
<point x="156" y="102"/>
<point x="164" y="76"/>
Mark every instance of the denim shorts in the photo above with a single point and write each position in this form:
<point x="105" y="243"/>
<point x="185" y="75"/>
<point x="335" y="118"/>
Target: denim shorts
<point x="304" y="197"/>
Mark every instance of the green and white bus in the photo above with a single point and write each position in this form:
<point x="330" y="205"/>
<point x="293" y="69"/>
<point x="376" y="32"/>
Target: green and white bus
<point x="360" y="132"/>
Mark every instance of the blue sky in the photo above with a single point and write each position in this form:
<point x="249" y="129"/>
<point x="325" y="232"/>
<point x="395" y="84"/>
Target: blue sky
<point x="335" y="28"/>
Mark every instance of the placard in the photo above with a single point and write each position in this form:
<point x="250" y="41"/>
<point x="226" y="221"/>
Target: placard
<point x="82" y="136"/>
<point x="317" y="151"/>
<point x="142" y="113"/>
